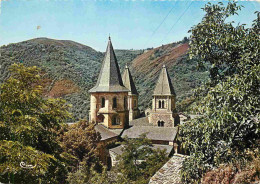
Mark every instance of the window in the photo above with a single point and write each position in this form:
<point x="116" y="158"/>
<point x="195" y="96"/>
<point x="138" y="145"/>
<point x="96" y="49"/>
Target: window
<point x="103" y="102"/>
<point x="114" y="103"/>
<point x="160" y="104"/>
<point x="100" y="118"/>
<point x="115" y="120"/>
<point x="135" y="103"/>
<point x="160" y="123"/>
<point x="163" y="104"/>
<point x="125" y="102"/>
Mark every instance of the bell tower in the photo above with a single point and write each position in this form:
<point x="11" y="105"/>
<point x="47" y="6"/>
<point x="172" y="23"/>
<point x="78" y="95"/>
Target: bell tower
<point x="163" y="113"/>
<point x="132" y="94"/>
<point x="108" y="97"/>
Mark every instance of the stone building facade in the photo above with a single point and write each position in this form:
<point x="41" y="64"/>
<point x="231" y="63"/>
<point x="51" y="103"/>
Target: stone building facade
<point x="163" y="113"/>
<point x="132" y="94"/>
<point x="109" y="97"/>
<point x="109" y="109"/>
<point x="114" y="110"/>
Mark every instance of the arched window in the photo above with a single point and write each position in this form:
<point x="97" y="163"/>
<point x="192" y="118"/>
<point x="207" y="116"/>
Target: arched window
<point x="160" y="104"/>
<point x="114" y="103"/>
<point x="163" y="104"/>
<point x="125" y="102"/>
<point x="100" y="118"/>
<point x="115" y="120"/>
<point x="103" y="102"/>
<point x="160" y="123"/>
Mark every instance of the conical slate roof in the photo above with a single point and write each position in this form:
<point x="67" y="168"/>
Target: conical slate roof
<point x="128" y="81"/>
<point x="164" y="84"/>
<point x="109" y="79"/>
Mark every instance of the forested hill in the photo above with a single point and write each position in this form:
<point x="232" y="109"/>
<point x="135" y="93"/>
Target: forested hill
<point x="183" y="71"/>
<point x="70" y="69"/>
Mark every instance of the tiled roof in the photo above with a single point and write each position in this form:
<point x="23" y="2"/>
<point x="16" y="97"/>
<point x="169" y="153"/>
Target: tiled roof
<point x="140" y="122"/>
<point x="153" y="133"/>
<point x="107" y="133"/>
<point x="168" y="148"/>
<point x="109" y="79"/>
<point x="170" y="172"/>
<point x="118" y="150"/>
<point x="164" y="84"/>
<point x="128" y="81"/>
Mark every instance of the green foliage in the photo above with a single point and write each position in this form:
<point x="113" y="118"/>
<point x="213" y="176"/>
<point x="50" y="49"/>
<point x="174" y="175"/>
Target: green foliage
<point x="62" y="60"/>
<point x="139" y="161"/>
<point x="125" y="57"/>
<point x="229" y="103"/>
<point x="81" y="141"/>
<point x="81" y="64"/>
<point x="86" y="175"/>
<point x="245" y="171"/>
<point x="184" y="75"/>
<point x="28" y="125"/>
<point x="186" y="104"/>
<point x="227" y="47"/>
<point x="13" y="154"/>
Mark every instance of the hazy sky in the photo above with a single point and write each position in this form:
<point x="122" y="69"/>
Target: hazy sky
<point x="136" y="24"/>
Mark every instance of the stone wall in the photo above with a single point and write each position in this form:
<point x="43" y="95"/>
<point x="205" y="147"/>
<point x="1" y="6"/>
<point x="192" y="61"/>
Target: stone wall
<point x="108" y="111"/>
<point x="166" y="117"/>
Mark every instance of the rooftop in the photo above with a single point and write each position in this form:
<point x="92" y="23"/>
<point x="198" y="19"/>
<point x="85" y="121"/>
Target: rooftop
<point x="107" y="133"/>
<point x="153" y="133"/>
<point x="170" y="172"/>
<point x="118" y="150"/>
<point x="164" y="84"/>
<point x="140" y="122"/>
<point x="128" y="81"/>
<point x="109" y="79"/>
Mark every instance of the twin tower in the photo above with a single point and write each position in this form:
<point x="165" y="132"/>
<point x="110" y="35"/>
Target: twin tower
<point x="114" y="100"/>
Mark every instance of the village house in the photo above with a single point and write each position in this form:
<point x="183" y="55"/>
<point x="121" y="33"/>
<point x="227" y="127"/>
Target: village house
<point x="114" y="110"/>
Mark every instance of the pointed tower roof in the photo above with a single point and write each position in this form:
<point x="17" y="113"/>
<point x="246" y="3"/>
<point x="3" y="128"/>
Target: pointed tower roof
<point x="164" y="84"/>
<point x="128" y="81"/>
<point x="109" y="79"/>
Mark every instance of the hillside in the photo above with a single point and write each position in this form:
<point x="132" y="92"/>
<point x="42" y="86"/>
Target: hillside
<point x="70" y="69"/>
<point x="182" y="70"/>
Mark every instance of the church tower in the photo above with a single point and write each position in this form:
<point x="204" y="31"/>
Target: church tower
<point x="132" y="94"/>
<point x="109" y="97"/>
<point x="163" y="113"/>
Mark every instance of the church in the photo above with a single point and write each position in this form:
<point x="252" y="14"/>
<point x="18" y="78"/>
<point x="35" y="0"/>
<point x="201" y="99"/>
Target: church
<point x="114" y="109"/>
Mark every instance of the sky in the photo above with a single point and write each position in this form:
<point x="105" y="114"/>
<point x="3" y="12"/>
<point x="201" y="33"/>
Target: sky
<point x="132" y="24"/>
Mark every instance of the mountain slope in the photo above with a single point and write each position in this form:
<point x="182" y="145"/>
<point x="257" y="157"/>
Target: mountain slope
<point x="184" y="75"/>
<point x="70" y="69"/>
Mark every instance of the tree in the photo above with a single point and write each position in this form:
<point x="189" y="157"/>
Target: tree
<point x="228" y="48"/>
<point x="138" y="161"/>
<point x="87" y="175"/>
<point x="28" y="125"/>
<point x="229" y="102"/>
<point x="81" y="141"/>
